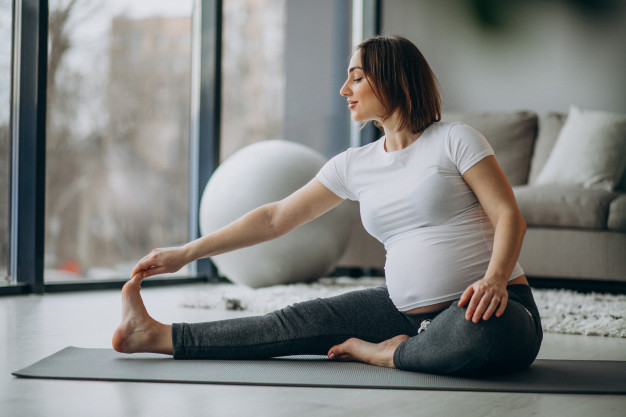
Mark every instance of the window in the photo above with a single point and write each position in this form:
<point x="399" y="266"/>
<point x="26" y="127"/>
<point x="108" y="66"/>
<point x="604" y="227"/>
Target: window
<point x="283" y="63"/>
<point x="119" y="126"/>
<point x="6" y="15"/>
<point x="253" y="72"/>
<point x="117" y="157"/>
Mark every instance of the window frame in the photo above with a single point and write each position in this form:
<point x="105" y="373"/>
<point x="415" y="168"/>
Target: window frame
<point x="27" y="126"/>
<point x="366" y="23"/>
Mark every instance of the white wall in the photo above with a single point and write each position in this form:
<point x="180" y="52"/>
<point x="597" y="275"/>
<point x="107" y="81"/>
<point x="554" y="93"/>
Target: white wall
<point x="549" y="57"/>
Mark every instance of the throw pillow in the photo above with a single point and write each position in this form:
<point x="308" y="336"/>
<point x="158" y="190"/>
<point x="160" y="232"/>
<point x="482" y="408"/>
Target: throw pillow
<point x="590" y="151"/>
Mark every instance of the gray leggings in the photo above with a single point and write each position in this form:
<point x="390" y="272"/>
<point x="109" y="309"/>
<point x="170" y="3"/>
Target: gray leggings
<point x="450" y="344"/>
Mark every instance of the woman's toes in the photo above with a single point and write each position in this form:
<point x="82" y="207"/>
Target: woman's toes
<point x="342" y="350"/>
<point x="380" y="354"/>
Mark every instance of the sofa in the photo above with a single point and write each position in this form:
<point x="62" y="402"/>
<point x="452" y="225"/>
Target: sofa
<point x="567" y="173"/>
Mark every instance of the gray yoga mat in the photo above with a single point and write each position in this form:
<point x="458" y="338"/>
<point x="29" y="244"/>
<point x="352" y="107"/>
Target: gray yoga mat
<point x="544" y="376"/>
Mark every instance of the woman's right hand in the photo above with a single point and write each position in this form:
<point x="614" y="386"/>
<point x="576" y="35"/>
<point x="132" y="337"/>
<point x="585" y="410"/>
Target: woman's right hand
<point x="161" y="261"/>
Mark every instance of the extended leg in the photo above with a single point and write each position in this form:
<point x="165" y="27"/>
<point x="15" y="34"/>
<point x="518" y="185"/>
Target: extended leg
<point x="311" y="327"/>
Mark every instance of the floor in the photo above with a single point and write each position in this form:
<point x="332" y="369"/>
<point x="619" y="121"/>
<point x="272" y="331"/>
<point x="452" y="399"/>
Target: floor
<point x="33" y="327"/>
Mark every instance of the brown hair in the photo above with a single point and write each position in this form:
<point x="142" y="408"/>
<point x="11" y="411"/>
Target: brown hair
<point x="402" y="80"/>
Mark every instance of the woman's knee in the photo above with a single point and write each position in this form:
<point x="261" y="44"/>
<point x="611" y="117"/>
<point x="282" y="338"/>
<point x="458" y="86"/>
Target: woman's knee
<point x="507" y="343"/>
<point x="452" y="344"/>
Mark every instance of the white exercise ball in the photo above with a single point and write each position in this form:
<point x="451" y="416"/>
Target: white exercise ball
<point x="259" y="174"/>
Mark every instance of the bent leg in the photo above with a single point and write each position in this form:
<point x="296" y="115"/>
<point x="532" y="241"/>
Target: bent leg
<point x="311" y="327"/>
<point x="452" y="344"/>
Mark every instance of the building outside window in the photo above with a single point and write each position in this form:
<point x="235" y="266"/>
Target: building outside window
<point x="118" y="111"/>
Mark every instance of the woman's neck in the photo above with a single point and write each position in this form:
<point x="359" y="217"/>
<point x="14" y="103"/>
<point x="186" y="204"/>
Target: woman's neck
<point x="396" y="140"/>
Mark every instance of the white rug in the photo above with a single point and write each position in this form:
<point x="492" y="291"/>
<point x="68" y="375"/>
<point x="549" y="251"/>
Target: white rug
<point x="562" y="311"/>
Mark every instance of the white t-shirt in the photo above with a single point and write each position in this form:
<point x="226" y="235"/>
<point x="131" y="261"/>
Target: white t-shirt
<point x="437" y="237"/>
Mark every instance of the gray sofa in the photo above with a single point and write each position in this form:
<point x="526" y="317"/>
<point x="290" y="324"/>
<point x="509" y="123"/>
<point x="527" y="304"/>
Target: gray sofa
<point x="574" y="233"/>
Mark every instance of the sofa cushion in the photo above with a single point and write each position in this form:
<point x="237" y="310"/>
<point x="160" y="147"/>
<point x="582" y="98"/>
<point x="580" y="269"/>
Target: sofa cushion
<point x="617" y="214"/>
<point x="590" y="151"/>
<point x="511" y="134"/>
<point x="550" y="126"/>
<point x="564" y="206"/>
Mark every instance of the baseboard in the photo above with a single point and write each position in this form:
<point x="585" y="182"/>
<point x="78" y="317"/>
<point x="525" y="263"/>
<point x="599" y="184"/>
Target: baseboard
<point x="18" y="289"/>
<point x="356" y="272"/>
<point x="580" y="285"/>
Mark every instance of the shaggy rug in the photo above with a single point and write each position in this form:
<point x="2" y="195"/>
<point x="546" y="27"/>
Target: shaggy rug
<point x="562" y="311"/>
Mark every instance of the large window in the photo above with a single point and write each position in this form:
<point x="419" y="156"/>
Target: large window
<point x="283" y="63"/>
<point x="5" y="148"/>
<point x="253" y="72"/>
<point x="119" y="128"/>
<point x="118" y="111"/>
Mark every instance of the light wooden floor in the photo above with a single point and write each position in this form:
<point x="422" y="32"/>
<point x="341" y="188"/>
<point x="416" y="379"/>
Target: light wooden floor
<point x="33" y="327"/>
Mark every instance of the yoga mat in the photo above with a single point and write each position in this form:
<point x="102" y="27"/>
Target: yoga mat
<point x="544" y="376"/>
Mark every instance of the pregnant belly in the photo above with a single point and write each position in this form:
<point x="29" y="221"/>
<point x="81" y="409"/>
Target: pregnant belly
<point x="431" y="269"/>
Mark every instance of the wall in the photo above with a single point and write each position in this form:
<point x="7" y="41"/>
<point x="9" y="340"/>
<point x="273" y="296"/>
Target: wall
<point x="550" y="54"/>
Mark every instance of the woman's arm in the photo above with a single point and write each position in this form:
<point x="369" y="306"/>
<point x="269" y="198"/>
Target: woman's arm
<point x="259" y="225"/>
<point x="495" y="195"/>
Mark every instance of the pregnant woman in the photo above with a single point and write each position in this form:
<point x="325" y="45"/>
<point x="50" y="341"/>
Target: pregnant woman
<point x="455" y="300"/>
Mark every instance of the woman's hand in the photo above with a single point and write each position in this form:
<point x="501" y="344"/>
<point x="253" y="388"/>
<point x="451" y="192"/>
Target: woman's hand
<point x="161" y="261"/>
<point x="485" y="297"/>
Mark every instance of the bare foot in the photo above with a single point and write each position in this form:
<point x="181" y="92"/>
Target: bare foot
<point x="138" y="332"/>
<point x="380" y="354"/>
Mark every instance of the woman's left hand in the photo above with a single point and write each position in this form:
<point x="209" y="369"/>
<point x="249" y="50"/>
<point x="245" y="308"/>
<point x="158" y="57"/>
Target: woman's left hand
<point x="485" y="297"/>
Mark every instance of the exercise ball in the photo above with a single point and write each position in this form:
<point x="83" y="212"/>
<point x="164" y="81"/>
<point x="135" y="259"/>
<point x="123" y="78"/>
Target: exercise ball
<point x="258" y="174"/>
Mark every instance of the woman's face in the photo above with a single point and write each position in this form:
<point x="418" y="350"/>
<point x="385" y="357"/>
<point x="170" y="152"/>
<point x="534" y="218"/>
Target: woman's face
<point x="362" y="101"/>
